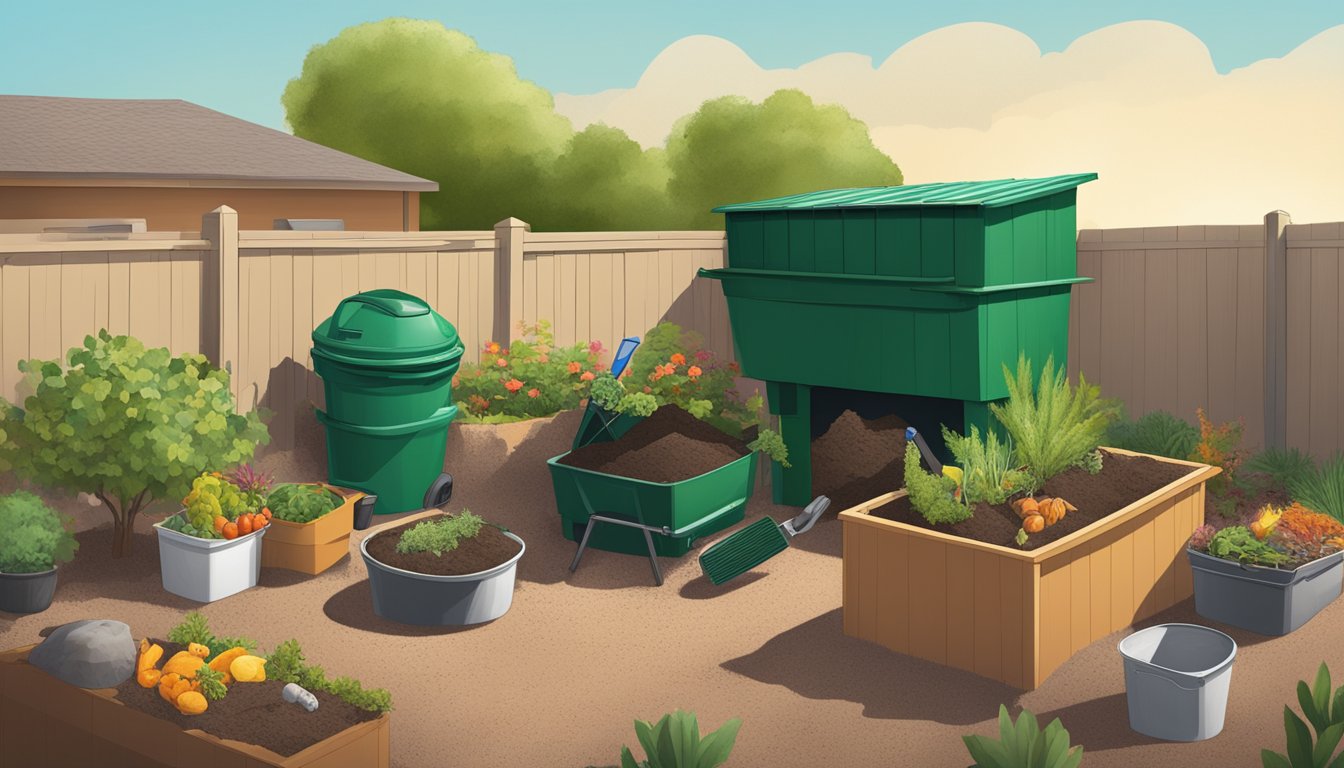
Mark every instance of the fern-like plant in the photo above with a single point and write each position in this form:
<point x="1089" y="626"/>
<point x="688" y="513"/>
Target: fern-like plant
<point x="1325" y="713"/>
<point x="675" y="742"/>
<point x="1323" y="489"/>
<point x="1281" y="467"/>
<point x="1157" y="432"/>
<point x="932" y="495"/>
<point x="1024" y="745"/>
<point x="1054" y="425"/>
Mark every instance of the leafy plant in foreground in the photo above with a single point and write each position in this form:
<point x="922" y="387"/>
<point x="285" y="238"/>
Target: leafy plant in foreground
<point x="1325" y="713"/>
<point x="675" y="742"/>
<point x="1054" y="425"/>
<point x="932" y="495"/>
<point x="1323" y="489"/>
<point x="1157" y="432"/>
<point x="986" y="465"/>
<point x="1024" y="745"/>
<point x="441" y="534"/>
<point x="33" y="537"/>
<point x="126" y="424"/>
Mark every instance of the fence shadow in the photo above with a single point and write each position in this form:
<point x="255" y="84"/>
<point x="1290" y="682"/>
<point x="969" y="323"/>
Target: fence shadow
<point x="889" y="685"/>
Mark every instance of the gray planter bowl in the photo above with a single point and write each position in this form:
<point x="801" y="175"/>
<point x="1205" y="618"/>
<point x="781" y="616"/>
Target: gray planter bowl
<point x="27" y="592"/>
<point x="408" y="597"/>
<point x="1267" y="601"/>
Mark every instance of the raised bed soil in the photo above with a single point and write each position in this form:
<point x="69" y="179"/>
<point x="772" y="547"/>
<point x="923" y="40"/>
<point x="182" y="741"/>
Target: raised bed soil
<point x="481" y="552"/>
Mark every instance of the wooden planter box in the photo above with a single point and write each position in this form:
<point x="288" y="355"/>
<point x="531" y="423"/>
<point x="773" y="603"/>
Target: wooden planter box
<point x="44" y="721"/>
<point x="1013" y="615"/>
<point x="314" y="546"/>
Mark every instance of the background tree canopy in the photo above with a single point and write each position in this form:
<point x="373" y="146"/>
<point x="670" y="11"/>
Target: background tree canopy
<point x="423" y="99"/>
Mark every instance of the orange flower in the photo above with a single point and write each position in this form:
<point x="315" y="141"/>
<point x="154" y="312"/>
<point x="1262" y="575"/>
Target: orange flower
<point x="694" y="371"/>
<point x="648" y="390"/>
<point x="533" y="392"/>
<point x="587" y="376"/>
<point x="574" y="366"/>
<point x="492" y="347"/>
<point x="678" y="359"/>
<point x="501" y="362"/>
<point x="544" y="359"/>
<point x="513" y="385"/>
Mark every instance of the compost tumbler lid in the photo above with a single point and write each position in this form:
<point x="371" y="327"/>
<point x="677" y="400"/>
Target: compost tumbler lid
<point x="388" y="327"/>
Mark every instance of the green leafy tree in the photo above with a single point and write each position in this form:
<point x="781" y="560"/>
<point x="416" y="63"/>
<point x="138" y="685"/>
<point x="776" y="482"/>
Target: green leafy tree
<point x="732" y="151"/>
<point x="126" y="424"/>
<point x="604" y="180"/>
<point x="427" y="100"/>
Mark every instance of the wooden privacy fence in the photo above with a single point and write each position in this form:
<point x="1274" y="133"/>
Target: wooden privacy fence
<point x="1244" y="321"/>
<point x="250" y="299"/>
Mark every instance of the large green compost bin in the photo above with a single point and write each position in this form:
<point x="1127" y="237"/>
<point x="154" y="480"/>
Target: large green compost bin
<point x="922" y="290"/>
<point x="688" y="509"/>
<point x="387" y="363"/>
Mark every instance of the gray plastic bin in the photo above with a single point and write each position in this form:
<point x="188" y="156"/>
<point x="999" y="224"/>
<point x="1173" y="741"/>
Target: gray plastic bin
<point x="1267" y="601"/>
<point x="1176" y="680"/>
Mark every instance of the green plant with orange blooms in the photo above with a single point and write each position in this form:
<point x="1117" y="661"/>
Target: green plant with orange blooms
<point x="1220" y="446"/>
<point x="673" y="365"/>
<point x="527" y="379"/>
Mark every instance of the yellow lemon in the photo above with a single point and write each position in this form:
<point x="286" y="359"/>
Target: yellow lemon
<point x="248" y="669"/>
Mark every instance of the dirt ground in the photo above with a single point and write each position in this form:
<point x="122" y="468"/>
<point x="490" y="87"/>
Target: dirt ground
<point x="559" y="679"/>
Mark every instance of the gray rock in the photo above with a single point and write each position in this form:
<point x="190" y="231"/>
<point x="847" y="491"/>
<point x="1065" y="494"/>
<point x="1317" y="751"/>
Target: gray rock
<point x="89" y="654"/>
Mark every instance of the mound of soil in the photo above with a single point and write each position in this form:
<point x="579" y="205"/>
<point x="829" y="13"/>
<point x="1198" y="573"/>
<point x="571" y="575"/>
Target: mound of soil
<point x="1122" y="481"/>
<point x="857" y="460"/>
<point x="481" y="552"/>
<point x="253" y="713"/>
<point x="667" y="447"/>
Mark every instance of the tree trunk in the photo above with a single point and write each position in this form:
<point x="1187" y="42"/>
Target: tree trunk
<point x="123" y="534"/>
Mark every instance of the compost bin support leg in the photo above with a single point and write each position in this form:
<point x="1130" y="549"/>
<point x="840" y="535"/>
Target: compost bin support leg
<point x="792" y="403"/>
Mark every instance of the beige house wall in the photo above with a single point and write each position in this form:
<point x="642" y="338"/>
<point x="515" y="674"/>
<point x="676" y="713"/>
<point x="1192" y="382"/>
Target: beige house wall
<point x="179" y="208"/>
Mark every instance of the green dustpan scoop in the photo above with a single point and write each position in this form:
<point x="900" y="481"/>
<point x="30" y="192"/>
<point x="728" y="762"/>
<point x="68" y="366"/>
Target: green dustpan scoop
<point x="758" y="542"/>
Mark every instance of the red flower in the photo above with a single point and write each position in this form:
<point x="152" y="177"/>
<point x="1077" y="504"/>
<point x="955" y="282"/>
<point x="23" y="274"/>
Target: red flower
<point x="513" y="385"/>
<point x="533" y="392"/>
<point x="702" y="355"/>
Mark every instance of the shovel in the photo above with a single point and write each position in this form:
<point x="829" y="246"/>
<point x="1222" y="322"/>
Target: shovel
<point x="758" y="542"/>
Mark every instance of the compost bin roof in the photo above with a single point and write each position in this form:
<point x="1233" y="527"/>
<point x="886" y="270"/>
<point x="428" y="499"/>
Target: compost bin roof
<point x="986" y="194"/>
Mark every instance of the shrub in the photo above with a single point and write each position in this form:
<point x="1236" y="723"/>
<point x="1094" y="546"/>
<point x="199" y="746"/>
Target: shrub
<point x="33" y="537"/>
<point x="1158" y="432"/>
<point x="1024" y="745"/>
<point x="986" y="464"/>
<point x="530" y="379"/>
<point x="126" y="424"/>
<point x="1220" y="446"/>
<point x="675" y="742"/>
<point x="672" y="365"/>
<point x="1323" y="488"/>
<point x="771" y="444"/>
<point x="932" y="495"/>
<point x="1325" y="713"/>
<point x="441" y="534"/>
<point x="1281" y="467"/>
<point x="1055" y="426"/>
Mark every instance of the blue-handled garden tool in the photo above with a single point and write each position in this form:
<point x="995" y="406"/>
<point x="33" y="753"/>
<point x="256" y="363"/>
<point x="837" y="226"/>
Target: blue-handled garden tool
<point x="935" y="466"/>
<point x="758" y="542"/>
<point x="596" y="420"/>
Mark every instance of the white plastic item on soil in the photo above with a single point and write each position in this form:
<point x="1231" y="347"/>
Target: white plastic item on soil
<point x="297" y="694"/>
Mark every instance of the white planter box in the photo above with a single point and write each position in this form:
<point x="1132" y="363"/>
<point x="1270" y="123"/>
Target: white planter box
<point x="206" y="570"/>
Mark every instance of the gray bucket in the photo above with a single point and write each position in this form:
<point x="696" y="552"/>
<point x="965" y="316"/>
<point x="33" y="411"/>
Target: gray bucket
<point x="1176" y="680"/>
<point x="1267" y="601"/>
<point x="428" y="600"/>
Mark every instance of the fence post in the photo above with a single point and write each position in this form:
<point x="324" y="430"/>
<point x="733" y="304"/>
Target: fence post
<point x="1276" y="329"/>
<point x="510" y="235"/>
<point x="219" y="285"/>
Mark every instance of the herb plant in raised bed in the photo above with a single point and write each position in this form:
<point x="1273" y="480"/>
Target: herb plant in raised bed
<point x="1016" y="526"/>
<point x="34" y="539"/>
<point x="444" y="570"/>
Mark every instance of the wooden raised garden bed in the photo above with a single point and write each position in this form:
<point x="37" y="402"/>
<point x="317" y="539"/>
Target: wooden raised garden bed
<point x="44" y="721"/>
<point x="1013" y="615"/>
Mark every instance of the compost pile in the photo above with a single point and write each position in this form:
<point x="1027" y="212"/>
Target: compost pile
<point x="253" y="713"/>
<point x="1122" y="481"/>
<point x="857" y="460"/>
<point x="667" y="447"/>
<point x="481" y="552"/>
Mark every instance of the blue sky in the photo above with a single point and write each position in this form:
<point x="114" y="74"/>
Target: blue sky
<point x="236" y="57"/>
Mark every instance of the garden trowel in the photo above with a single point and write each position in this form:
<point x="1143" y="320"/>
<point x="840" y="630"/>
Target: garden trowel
<point x="758" y="542"/>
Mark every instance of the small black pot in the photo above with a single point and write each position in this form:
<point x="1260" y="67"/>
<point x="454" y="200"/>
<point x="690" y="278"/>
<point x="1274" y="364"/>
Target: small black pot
<point x="27" y="592"/>
<point x="364" y="512"/>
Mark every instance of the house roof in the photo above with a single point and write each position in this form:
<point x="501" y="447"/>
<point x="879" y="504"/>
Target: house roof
<point x="49" y="138"/>
<point x="987" y="194"/>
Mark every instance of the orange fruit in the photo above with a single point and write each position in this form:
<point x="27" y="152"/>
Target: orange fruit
<point x="230" y="530"/>
<point x="266" y="512"/>
<point x="220" y="520"/>
<point x="244" y="525"/>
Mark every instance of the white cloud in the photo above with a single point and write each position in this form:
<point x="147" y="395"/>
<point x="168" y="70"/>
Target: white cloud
<point x="1140" y="103"/>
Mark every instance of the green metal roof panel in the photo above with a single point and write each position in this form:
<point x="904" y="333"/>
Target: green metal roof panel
<point x="987" y="194"/>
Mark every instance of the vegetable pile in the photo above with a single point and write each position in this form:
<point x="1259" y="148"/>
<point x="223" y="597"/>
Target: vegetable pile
<point x="1277" y="537"/>
<point x="297" y="503"/>
<point x="217" y="508"/>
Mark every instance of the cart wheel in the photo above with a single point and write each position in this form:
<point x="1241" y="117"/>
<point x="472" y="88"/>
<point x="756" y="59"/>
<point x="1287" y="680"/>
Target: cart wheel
<point x="440" y="491"/>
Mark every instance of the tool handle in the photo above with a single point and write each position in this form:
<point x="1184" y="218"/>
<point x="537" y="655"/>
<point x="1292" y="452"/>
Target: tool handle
<point x="935" y="466"/>
<point x="623" y="354"/>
